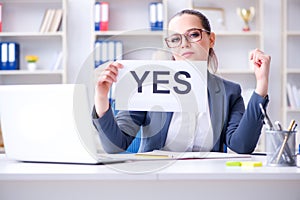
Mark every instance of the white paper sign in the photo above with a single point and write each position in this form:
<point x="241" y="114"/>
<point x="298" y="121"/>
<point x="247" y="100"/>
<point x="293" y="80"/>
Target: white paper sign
<point x="171" y="86"/>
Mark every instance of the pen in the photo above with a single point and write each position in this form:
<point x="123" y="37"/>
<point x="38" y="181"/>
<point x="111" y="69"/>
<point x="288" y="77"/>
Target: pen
<point x="278" y="125"/>
<point x="266" y="117"/>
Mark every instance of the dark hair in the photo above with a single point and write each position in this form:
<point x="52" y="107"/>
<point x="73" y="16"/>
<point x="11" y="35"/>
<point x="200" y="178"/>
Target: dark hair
<point x="212" y="58"/>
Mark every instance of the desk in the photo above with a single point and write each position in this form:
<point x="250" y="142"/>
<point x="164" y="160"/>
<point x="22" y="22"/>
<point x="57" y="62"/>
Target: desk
<point x="183" y="179"/>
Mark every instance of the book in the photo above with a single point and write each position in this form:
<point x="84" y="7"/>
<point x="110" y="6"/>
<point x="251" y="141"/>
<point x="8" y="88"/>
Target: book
<point x="46" y="21"/>
<point x="290" y="95"/>
<point x="57" y="19"/>
<point x="58" y="62"/>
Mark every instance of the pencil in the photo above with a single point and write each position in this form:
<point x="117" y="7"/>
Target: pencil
<point x="291" y="125"/>
<point x="153" y="156"/>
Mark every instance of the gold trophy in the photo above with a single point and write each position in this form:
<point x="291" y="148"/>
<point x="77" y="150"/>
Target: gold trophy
<point x="246" y="15"/>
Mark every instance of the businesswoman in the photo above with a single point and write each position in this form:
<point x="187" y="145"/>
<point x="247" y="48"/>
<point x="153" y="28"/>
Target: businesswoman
<point x="190" y="38"/>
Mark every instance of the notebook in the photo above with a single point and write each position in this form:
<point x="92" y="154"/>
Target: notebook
<point x="49" y="123"/>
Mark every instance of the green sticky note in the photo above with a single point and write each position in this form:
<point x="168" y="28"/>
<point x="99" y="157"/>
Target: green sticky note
<point x="233" y="164"/>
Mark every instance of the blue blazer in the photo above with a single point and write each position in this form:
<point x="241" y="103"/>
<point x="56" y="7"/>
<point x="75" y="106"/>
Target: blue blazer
<point x="232" y="125"/>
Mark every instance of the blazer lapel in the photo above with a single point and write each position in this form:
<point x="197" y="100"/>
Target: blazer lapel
<point x="216" y="100"/>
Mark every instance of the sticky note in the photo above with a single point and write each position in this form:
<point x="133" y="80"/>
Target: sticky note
<point x="233" y="164"/>
<point x="244" y="164"/>
<point x="251" y="164"/>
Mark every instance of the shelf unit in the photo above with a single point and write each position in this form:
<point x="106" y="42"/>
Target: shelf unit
<point x="291" y="59"/>
<point x="232" y="44"/>
<point x="21" y="23"/>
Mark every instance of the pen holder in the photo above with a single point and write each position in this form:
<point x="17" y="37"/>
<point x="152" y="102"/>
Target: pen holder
<point x="280" y="148"/>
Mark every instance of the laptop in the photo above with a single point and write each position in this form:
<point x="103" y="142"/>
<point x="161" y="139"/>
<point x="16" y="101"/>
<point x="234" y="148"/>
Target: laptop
<point x="49" y="123"/>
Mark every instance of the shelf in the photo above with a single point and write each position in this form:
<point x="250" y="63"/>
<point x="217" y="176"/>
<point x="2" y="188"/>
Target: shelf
<point x="22" y="20"/>
<point x="293" y="33"/>
<point x="129" y="33"/>
<point x="293" y="71"/>
<point x="27" y="72"/>
<point x="293" y="110"/>
<point x="238" y="33"/>
<point x="29" y="1"/>
<point x="290" y="65"/>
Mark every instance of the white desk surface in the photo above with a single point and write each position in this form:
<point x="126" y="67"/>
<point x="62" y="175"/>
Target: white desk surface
<point x="170" y="179"/>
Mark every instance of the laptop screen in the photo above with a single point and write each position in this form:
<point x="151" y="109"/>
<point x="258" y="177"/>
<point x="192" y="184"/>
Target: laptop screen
<point x="47" y="123"/>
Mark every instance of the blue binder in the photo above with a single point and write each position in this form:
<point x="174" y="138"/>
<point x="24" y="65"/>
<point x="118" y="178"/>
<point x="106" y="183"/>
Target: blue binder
<point x="13" y="56"/>
<point x="107" y="50"/>
<point x="97" y="15"/>
<point x="97" y="53"/>
<point x="156" y="16"/>
<point x="4" y="56"/>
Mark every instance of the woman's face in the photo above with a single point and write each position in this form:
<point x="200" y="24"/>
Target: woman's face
<point x="186" y="50"/>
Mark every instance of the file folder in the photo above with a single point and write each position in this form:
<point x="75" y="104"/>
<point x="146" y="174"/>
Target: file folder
<point x="152" y="15"/>
<point x="104" y="16"/>
<point x="159" y="11"/>
<point x="1" y="17"/>
<point x="97" y="53"/>
<point x="118" y="50"/>
<point x="97" y="16"/>
<point x="4" y="56"/>
<point x="156" y="16"/>
<point x="13" y="56"/>
<point x="107" y="50"/>
<point x="104" y="52"/>
<point x="111" y="50"/>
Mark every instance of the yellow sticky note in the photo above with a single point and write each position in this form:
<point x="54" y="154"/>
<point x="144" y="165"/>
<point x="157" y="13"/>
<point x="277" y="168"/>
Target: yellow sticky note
<point x="251" y="164"/>
<point x="233" y="163"/>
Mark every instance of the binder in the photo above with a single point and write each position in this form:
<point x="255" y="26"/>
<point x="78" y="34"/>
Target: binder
<point x="104" y="16"/>
<point x="13" y="56"/>
<point x="156" y="16"/>
<point x="97" y="53"/>
<point x="152" y="15"/>
<point x="97" y="16"/>
<point x="118" y="50"/>
<point x="111" y="50"/>
<point x="104" y="52"/>
<point x="4" y="56"/>
<point x="159" y="18"/>
<point x="107" y="50"/>
<point x="1" y="17"/>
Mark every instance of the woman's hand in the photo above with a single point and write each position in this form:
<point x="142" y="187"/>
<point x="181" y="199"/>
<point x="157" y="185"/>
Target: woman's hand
<point x="261" y="64"/>
<point x="106" y="78"/>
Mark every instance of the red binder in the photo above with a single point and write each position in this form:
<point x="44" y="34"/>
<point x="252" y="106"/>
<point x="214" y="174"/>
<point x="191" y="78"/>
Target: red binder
<point x="0" y="17"/>
<point x="104" y="6"/>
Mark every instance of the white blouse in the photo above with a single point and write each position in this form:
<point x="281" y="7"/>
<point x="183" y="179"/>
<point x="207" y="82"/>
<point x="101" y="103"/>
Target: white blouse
<point x="190" y="132"/>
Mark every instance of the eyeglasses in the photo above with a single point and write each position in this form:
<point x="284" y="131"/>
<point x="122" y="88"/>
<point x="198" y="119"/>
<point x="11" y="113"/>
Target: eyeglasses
<point x="191" y="35"/>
